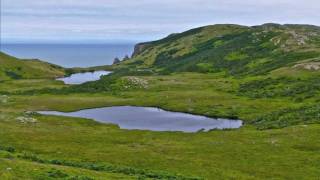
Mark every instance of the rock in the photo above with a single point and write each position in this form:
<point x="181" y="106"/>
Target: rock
<point x="23" y="119"/>
<point x="116" y="61"/>
<point x="135" y="82"/>
<point x="299" y="38"/>
<point x="29" y="113"/>
<point x="126" y="58"/>
<point x="4" y="99"/>
<point x="312" y="66"/>
<point x="139" y="48"/>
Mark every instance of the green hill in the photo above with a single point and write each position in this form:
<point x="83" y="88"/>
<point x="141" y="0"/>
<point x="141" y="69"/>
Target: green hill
<point x="13" y="68"/>
<point x="268" y="76"/>
<point x="277" y="63"/>
<point x="234" y="49"/>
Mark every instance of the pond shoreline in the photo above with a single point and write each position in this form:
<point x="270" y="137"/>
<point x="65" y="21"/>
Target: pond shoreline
<point x="151" y="106"/>
<point x="150" y="118"/>
<point x="83" y="77"/>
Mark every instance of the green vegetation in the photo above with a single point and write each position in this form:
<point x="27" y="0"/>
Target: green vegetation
<point x="240" y="154"/>
<point x="267" y="76"/>
<point x="229" y="48"/>
<point x="13" y="68"/>
<point x="14" y="167"/>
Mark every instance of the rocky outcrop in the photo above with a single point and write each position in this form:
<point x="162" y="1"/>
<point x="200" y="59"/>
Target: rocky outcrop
<point x="312" y="66"/>
<point x="139" y="48"/>
<point x="4" y="99"/>
<point x="116" y="61"/>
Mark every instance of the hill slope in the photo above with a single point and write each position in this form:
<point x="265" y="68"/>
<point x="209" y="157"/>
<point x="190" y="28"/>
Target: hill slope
<point x="268" y="76"/>
<point x="234" y="49"/>
<point x="13" y="68"/>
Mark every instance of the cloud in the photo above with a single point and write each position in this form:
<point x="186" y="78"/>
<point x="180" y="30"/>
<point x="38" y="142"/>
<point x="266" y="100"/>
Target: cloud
<point x="143" y="19"/>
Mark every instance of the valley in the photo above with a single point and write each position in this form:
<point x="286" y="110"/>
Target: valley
<point x="265" y="75"/>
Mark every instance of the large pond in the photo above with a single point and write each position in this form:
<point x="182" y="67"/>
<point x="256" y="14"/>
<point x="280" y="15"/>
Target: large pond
<point x="149" y="118"/>
<point x="80" y="78"/>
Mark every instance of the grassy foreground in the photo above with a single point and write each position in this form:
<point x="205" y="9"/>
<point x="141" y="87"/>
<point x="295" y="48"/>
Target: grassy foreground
<point x="12" y="168"/>
<point x="247" y="153"/>
<point x="79" y="148"/>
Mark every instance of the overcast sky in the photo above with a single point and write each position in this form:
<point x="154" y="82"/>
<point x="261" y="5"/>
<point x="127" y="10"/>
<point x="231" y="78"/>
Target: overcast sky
<point x="139" y="20"/>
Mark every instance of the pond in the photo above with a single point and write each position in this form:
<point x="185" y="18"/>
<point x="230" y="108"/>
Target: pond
<point x="80" y="78"/>
<point x="149" y="118"/>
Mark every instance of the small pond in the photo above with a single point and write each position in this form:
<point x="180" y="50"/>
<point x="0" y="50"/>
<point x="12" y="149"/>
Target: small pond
<point x="80" y="78"/>
<point x="149" y="118"/>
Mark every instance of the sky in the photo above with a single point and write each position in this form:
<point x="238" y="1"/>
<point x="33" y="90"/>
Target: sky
<point x="139" y="20"/>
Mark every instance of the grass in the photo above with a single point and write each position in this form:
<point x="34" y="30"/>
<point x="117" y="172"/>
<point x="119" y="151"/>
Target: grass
<point x="13" y="68"/>
<point x="229" y="71"/>
<point x="246" y="153"/>
<point x="14" y="168"/>
<point x="29" y="84"/>
<point x="210" y="94"/>
<point x="236" y="50"/>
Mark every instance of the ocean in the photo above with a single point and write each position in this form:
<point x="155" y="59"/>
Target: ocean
<point x="70" y="55"/>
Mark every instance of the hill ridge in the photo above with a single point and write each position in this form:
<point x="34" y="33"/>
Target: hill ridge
<point x="235" y="49"/>
<point x="14" y="68"/>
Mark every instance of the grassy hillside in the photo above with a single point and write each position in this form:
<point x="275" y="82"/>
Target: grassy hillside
<point x="233" y="49"/>
<point x="251" y="66"/>
<point x="13" y="68"/>
<point x="268" y="76"/>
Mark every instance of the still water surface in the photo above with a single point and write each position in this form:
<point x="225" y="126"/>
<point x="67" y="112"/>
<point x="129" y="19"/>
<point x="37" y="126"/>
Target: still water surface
<point x="80" y="78"/>
<point x="149" y="118"/>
